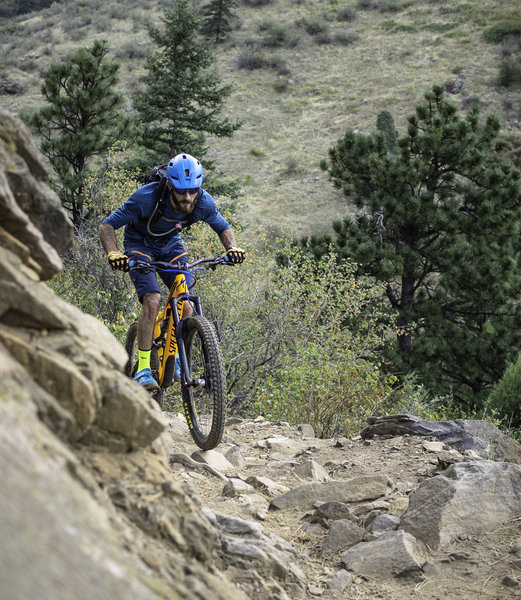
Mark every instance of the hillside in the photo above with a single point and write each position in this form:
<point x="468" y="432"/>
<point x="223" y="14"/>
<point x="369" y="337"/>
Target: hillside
<point x="103" y="495"/>
<point x="330" y="66"/>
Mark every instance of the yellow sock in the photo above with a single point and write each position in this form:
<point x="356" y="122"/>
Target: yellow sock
<point x="144" y="359"/>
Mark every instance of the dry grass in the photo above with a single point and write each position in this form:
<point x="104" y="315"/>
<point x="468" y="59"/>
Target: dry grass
<point x="290" y="120"/>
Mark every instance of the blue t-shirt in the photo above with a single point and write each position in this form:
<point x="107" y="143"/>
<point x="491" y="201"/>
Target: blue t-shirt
<point x="135" y="213"/>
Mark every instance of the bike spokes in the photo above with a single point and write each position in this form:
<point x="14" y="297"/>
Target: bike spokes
<point x="205" y="400"/>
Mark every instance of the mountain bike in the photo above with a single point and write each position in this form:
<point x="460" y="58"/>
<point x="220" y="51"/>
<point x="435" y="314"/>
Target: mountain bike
<point x="203" y="381"/>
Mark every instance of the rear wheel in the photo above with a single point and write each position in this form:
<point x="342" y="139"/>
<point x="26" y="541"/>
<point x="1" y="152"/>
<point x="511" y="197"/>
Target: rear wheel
<point x="132" y="349"/>
<point x="205" y="401"/>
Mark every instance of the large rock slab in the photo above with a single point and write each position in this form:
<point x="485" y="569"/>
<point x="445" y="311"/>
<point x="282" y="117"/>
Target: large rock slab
<point x="470" y="498"/>
<point x="357" y="489"/>
<point x="392" y="554"/>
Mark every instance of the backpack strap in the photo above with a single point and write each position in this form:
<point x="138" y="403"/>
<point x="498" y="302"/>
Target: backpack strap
<point x="163" y="196"/>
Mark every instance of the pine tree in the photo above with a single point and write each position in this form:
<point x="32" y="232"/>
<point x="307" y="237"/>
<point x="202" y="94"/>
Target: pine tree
<point x="183" y="96"/>
<point x="440" y="223"/>
<point x="218" y="15"/>
<point x="81" y="120"/>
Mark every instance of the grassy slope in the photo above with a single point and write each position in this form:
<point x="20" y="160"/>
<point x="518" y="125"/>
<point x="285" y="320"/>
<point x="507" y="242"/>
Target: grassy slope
<point x="330" y="87"/>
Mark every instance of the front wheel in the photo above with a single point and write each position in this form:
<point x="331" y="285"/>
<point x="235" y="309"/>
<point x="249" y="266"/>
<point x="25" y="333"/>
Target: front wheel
<point x="204" y="402"/>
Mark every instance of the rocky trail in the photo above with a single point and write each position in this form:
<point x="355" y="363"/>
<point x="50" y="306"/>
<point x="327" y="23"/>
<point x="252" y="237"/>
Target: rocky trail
<point x="298" y="551"/>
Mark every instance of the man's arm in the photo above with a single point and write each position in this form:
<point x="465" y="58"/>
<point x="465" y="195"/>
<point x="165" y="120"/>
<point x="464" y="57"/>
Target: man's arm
<point x="107" y="236"/>
<point x="227" y="238"/>
<point x="234" y="255"/>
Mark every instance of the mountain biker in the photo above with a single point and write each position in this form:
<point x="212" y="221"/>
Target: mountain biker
<point x="147" y="240"/>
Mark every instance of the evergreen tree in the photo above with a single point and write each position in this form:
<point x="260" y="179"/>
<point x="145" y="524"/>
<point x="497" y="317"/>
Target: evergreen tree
<point x="441" y="225"/>
<point x="218" y="15"/>
<point x="183" y="96"/>
<point x="81" y="120"/>
<point x="385" y="124"/>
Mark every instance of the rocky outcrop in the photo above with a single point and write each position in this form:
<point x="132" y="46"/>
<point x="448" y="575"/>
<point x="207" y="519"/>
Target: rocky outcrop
<point x="63" y="395"/>
<point x="70" y="358"/>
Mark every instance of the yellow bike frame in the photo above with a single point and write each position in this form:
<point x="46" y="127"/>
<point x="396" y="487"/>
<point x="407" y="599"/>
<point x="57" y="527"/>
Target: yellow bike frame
<point x="168" y="348"/>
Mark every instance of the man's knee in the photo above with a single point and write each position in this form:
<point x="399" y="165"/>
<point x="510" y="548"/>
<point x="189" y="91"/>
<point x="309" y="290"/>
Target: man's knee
<point x="152" y="301"/>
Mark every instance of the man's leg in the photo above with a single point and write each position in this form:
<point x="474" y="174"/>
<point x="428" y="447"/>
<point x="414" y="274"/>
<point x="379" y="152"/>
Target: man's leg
<point x="147" y="318"/>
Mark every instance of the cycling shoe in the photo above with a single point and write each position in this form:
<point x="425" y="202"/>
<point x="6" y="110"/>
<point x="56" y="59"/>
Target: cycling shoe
<point x="145" y="378"/>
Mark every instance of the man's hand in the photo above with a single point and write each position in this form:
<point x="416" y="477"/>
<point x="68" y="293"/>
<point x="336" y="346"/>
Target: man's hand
<point x="235" y="255"/>
<point x="118" y="261"/>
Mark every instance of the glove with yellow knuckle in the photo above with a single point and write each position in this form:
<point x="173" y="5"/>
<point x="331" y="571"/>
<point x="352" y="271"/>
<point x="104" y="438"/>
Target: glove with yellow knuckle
<point x="118" y="261"/>
<point x="235" y="256"/>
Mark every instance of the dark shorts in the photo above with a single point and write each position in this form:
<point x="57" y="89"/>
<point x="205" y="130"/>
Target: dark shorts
<point x="147" y="282"/>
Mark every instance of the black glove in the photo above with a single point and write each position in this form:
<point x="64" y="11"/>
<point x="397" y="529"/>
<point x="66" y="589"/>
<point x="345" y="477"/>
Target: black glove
<point x="118" y="261"/>
<point x="235" y="256"/>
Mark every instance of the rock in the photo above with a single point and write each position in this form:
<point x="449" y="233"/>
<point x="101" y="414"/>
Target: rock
<point x="39" y="235"/>
<point x="383" y="523"/>
<point x="312" y="470"/>
<point x="307" y="430"/>
<point x="392" y="554"/>
<point x="342" y="535"/>
<point x="214" y="459"/>
<point x="365" y="487"/>
<point x="235" y="457"/>
<point x="339" y="583"/>
<point x="454" y="86"/>
<point x="235" y="487"/>
<point x="333" y="511"/>
<point x="449" y="432"/>
<point x="470" y="498"/>
<point x="268" y="486"/>
<point x="498" y="446"/>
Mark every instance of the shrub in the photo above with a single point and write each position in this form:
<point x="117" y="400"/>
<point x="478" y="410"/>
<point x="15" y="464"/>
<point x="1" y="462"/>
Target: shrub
<point x="86" y="280"/>
<point x="323" y="38"/>
<point x="250" y="60"/>
<point x="316" y="27"/>
<point x="257" y="3"/>
<point x="277" y="34"/>
<point x="346" y="37"/>
<point x="347" y="13"/>
<point x="279" y="65"/>
<point x="312" y="368"/>
<point x="504" y="398"/>
<point x="131" y="50"/>
<point x="503" y="30"/>
<point x="510" y="73"/>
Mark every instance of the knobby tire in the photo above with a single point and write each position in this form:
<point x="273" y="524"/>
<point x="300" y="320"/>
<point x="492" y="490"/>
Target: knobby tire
<point x="204" y="405"/>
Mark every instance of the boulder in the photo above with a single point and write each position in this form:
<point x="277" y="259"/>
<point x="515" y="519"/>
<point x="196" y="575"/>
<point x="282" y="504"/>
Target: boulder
<point x="471" y="498"/>
<point x="393" y="554"/>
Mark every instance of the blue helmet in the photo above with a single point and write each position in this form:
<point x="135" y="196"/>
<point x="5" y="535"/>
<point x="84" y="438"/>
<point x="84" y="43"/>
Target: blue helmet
<point x="184" y="171"/>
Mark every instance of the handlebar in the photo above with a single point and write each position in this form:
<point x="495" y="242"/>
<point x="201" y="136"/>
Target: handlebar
<point x="145" y="266"/>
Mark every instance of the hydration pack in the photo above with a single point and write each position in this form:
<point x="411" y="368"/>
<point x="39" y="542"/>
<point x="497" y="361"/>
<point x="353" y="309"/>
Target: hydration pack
<point x="158" y="173"/>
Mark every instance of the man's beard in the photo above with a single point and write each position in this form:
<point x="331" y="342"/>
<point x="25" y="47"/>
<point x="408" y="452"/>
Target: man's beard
<point x="183" y="207"/>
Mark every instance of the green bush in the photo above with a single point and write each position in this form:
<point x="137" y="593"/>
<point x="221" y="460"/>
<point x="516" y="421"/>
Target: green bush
<point x="503" y="30"/>
<point x="86" y="280"/>
<point x="277" y="324"/>
<point x="277" y="34"/>
<point x="316" y="27"/>
<point x="347" y="13"/>
<point x="346" y="37"/>
<point x="250" y="60"/>
<point x="504" y="398"/>
<point x="510" y="73"/>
